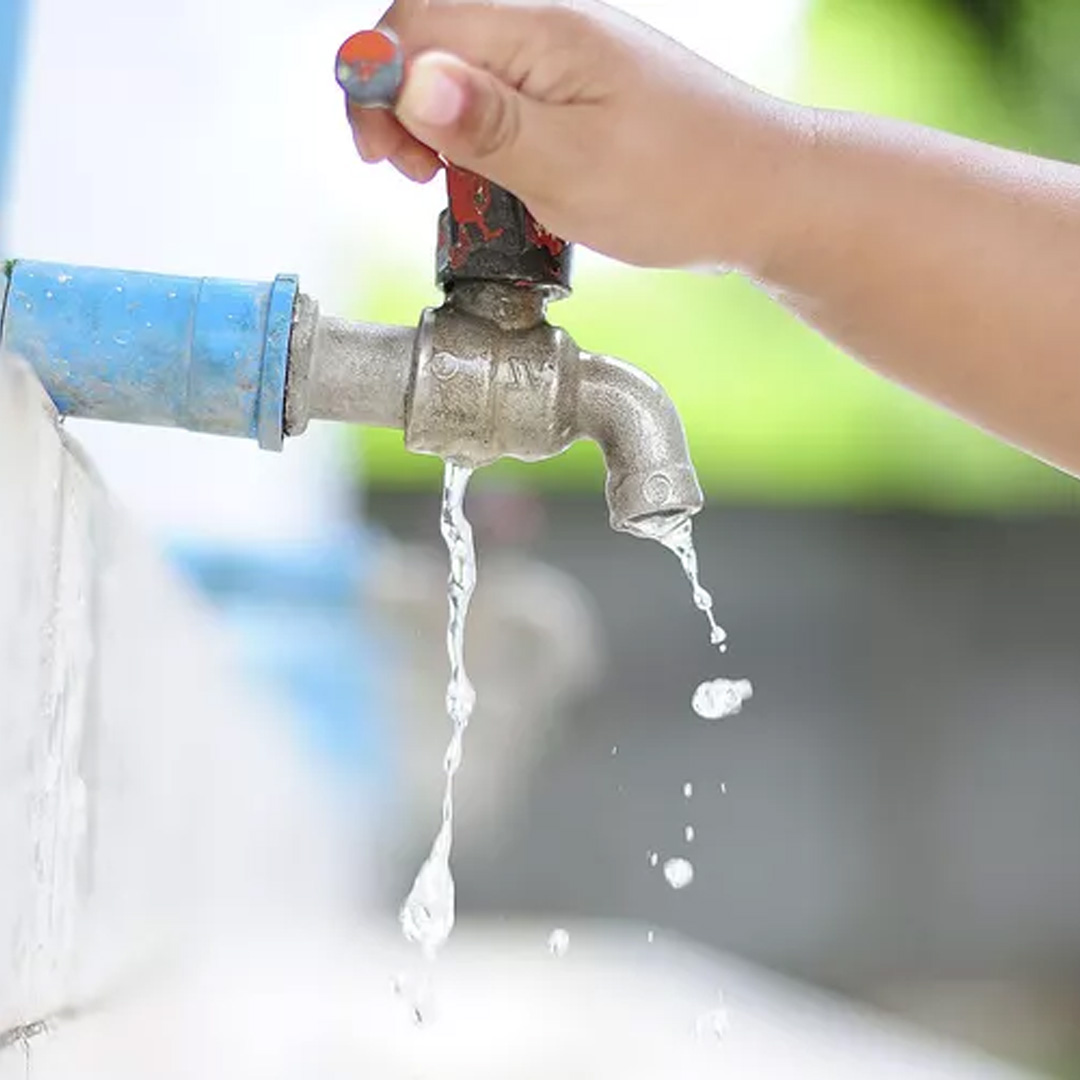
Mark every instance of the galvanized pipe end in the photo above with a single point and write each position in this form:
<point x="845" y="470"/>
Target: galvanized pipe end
<point x="352" y="372"/>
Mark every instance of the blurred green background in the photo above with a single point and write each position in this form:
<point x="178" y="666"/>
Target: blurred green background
<point x="774" y="413"/>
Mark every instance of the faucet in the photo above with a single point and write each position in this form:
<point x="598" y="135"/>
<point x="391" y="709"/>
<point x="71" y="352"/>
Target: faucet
<point x="483" y="376"/>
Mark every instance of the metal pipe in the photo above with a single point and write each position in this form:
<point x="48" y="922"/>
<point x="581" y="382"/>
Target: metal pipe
<point x="651" y="479"/>
<point x="353" y="372"/>
<point x="485" y="376"/>
<point x="360" y="372"/>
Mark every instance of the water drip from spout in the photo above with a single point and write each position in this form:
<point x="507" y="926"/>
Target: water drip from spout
<point x="718" y="698"/>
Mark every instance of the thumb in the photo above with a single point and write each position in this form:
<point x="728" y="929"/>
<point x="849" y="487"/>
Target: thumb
<point x="473" y="119"/>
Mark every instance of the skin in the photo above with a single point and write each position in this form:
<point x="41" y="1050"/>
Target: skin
<point x="949" y="266"/>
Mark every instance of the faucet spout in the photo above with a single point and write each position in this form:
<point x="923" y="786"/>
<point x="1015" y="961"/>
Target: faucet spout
<point x="651" y="480"/>
<point x="492" y="378"/>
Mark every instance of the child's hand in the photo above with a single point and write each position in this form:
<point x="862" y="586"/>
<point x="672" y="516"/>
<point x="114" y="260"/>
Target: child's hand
<point x="612" y="134"/>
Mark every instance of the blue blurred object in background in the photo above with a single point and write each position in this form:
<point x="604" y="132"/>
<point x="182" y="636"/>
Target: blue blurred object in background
<point x="296" y="613"/>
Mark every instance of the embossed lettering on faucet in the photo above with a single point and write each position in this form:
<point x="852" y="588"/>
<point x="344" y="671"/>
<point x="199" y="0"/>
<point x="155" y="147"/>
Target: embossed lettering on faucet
<point x="658" y="489"/>
<point x="527" y="374"/>
<point x="444" y="366"/>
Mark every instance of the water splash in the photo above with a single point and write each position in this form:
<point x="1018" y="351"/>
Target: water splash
<point x="418" y="997"/>
<point x="427" y="916"/>
<point x="721" y="698"/>
<point x="714" y="1024"/>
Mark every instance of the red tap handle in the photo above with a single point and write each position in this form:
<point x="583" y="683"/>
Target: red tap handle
<point x="486" y="234"/>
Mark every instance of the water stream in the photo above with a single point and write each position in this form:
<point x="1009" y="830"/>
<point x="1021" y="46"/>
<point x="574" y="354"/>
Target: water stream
<point x="427" y="916"/>
<point x="680" y="541"/>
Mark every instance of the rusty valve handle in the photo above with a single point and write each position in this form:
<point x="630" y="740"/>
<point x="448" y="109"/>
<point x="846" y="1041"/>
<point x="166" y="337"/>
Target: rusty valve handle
<point x="486" y="234"/>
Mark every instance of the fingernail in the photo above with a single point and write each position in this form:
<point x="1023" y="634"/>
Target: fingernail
<point x="432" y="97"/>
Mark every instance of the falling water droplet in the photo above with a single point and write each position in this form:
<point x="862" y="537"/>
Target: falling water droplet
<point x="690" y="834"/>
<point x="614" y="751"/>
<point x="559" y="943"/>
<point x="417" y="996"/>
<point x="679" y="873"/>
<point x="688" y="790"/>
<point x="654" y="858"/>
<point x="650" y="937"/>
<point x="680" y="542"/>
<point x="721" y="698"/>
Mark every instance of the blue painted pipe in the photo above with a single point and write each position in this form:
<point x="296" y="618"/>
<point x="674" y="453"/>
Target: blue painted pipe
<point x="198" y="353"/>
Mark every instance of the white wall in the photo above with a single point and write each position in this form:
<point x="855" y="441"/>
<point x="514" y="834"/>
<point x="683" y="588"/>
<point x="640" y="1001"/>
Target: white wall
<point x="142" y="797"/>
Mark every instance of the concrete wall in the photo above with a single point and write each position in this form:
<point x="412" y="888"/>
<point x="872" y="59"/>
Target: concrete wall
<point x="143" y="799"/>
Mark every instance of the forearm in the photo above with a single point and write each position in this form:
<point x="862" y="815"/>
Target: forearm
<point x="946" y="265"/>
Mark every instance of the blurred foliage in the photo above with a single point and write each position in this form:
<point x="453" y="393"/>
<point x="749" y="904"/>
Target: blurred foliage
<point x="773" y="412"/>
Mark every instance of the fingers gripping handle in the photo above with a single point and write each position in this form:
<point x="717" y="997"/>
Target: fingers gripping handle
<point x="486" y="234"/>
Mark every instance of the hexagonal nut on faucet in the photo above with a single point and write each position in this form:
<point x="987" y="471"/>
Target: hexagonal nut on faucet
<point x="481" y="392"/>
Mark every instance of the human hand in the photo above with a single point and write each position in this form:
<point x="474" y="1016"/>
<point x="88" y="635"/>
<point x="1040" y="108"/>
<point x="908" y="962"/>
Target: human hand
<point x="613" y="135"/>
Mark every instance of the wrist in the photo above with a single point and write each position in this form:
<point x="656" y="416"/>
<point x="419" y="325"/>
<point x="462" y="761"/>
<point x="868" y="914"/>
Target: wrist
<point x="773" y="205"/>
